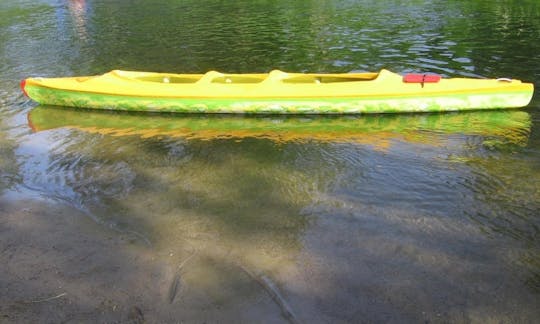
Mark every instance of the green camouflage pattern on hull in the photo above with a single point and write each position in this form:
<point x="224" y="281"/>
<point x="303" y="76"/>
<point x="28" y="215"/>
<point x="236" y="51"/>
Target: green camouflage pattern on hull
<point x="336" y="105"/>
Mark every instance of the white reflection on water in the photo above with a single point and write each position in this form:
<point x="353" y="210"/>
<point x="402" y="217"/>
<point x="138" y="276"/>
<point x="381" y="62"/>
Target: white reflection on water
<point x="77" y="9"/>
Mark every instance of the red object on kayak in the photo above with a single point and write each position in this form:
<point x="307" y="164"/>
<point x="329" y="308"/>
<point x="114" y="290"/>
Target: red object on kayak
<point x="23" y="84"/>
<point x="421" y="78"/>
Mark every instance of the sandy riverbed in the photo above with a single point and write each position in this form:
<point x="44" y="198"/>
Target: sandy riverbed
<point x="59" y="266"/>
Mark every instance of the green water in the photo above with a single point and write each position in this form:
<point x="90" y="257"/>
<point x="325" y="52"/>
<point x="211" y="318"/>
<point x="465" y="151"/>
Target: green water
<point x="382" y="218"/>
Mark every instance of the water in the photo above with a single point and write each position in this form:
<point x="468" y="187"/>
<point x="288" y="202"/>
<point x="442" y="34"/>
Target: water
<point x="377" y="218"/>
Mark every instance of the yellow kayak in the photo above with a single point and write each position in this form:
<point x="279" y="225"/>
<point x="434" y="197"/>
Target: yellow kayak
<point x="278" y="92"/>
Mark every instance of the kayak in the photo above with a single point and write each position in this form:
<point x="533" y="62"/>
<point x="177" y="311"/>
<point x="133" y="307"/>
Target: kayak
<point x="278" y="92"/>
<point x="379" y="131"/>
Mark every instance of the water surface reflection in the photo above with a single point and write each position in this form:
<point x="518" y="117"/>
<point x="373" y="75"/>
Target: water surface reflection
<point x="507" y="125"/>
<point x="317" y="203"/>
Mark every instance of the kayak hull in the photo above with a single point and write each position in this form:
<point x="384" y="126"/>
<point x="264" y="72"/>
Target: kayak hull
<point x="282" y="106"/>
<point x="495" y="95"/>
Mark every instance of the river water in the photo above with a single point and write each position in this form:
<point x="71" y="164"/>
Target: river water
<point x="362" y="218"/>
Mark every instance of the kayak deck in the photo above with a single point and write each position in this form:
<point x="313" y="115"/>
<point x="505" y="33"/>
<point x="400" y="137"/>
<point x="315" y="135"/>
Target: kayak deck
<point x="278" y="92"/>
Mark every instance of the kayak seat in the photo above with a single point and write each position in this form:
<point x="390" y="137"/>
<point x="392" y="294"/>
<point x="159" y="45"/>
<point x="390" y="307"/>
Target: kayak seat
<point x="323" y="79"/>
<point x="236" y="79"/>
<point x="167" y="79"/>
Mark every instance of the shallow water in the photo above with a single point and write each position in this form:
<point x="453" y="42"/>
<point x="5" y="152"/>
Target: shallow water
<point x="431" y="217"/>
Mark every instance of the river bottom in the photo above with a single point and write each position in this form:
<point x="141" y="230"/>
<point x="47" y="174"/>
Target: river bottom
<point x="63" y="266"/>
